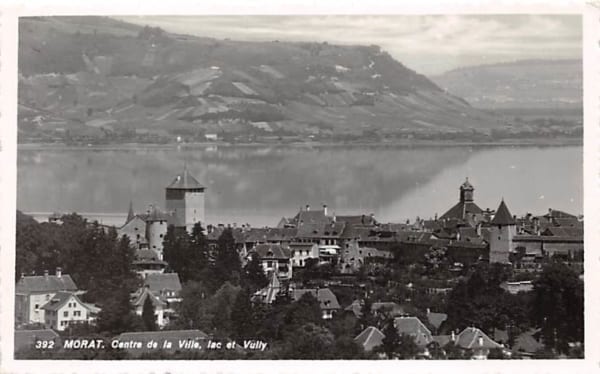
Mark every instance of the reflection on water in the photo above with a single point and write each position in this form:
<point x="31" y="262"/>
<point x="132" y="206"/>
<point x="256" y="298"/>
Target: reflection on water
<point x="259" y="185"/>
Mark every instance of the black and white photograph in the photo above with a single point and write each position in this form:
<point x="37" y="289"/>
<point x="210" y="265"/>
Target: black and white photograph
<point x="299" y="187"/>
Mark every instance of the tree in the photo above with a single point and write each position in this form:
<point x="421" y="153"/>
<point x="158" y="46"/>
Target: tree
<point x="193" y="309"/>
<point x="243" y="323"/>
<point x="308" y="341"/>
<point x="148" y="315"/>
<point x="186" y="254"/>
<point x="558" y="306"/>
<point x="366" y="314"/>
<point x="254" y="275"/>
<point x="391" y="340"/>
<point x="407" y="348"/>
<point x="117" y="315"/>
<point x="227" y="261"/>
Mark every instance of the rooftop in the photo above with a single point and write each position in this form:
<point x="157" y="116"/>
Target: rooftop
<point x="158" y="282"/>
<point x="45" y="283"/>
<point x="503" y="216"/>
<point x="274" y="251"/>
<point x="327" y="299"/>
<point x="185" y="181"/>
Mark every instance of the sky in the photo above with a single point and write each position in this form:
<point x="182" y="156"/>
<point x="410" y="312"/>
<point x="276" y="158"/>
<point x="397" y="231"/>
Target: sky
<point x="430" y="45"/>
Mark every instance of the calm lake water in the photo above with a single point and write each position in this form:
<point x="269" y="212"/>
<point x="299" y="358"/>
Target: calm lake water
<point x="260" y="184"/>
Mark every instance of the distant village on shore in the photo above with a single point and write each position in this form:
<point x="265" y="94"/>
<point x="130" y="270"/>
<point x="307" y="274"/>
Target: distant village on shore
<point x="392" y="290"/>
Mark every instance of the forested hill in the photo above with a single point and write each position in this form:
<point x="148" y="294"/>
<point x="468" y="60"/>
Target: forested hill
<point x="98" y="77"/>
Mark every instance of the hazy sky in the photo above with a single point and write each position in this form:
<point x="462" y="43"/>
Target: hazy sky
<point x="427" y="44"/>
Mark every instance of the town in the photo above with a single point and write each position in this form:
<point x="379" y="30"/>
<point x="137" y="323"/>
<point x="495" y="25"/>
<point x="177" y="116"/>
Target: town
<point x="473" y="283"/>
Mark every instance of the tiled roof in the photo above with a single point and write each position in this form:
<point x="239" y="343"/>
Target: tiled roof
<point x="146" y="254"/>
<point x="320" y="230"/>
<point x="274" y="251"/>
<point x="469" y="338"/>
<point x="553" y="213"/>
<point x="436" y="319"/>
<point x="461" y="210"/>
<point x="365" y="220"/>
<point x="564" y="231"/>
<point x="368" y="234"/>
<point x="139" y="298"/>
<point x="59" y="300"/>
<point x="311" y="216"/>
<point x="369" y="338"/>
<point x="158" y="282"/>
<point x="442" y="340"/>
<point x="388" y="307"/>
<point x="27" y="338"/>
<point x="503" y="216"/>
<point x="45" y="283"/>
<point x="526" y="342"/>
<point x="414" y="327"/>
<point x="327" y="299"/>
<point x="185" y="181"/>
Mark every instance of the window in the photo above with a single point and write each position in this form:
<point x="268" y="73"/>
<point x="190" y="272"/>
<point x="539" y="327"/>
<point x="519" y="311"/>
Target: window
<point x="161" y="235"/>
<point x="77" y="313"/>
<point x="269" y="264"/>
<point x="66" y="313"/>
<point x="37" y="306"/>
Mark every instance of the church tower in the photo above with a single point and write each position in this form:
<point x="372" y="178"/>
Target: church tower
<point x="466" y="192"/>
<point x="503" y="228"/>
<point x="185" y="201"/>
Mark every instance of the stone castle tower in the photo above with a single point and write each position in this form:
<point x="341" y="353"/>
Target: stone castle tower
<point x="156" y="229"/>
<point x="185" y="201"/>
<point x="503" y="228"/>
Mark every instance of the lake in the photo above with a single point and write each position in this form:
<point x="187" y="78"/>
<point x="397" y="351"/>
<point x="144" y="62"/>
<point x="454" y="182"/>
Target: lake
<point x="260" y="184"/>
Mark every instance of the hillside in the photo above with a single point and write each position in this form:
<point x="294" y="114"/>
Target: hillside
<point x="526" y="87"/>
<point x="90" y="78"/>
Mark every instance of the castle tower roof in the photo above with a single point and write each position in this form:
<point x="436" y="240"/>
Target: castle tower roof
<point x="185" y="181"/>
<point x="467" y="185"/>
<point x="503" y="216"/>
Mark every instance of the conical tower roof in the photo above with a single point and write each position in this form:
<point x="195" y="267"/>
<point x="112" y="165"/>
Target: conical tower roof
<point x="503" y="216"/>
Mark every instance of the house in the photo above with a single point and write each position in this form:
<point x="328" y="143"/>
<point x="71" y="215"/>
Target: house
<point x="517" y="286"/>
<point x="26" y="339"/>
<point x="383" y="309"/>
<point x="476" y="342"/>
<point x="369" y="338"/>
<point x="413" y="327"/>
<point x="300" y="252"/>
<point x="161" y="309"/>
<point x="274" y="258"/>
<point x="65" y="309"/>
<point x="163" y="289"/>
<point x="164" y="285"/>
<point x="327" y="300"/>
<point x="33" y="292"/>
<point x="526" y="344"/>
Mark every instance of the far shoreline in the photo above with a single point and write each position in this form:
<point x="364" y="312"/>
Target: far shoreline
<point x="562" y="142"/>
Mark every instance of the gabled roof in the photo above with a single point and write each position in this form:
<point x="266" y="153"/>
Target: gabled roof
<point x="563" y="231"/>
<point x="185" y="181"/>
<point x="139" y="298"/>
<point x="369" y="338"/>
<point x="45" y="283"/>
<point x="274" y="251"/>
<point x="158" y="282"/>
<point x="59" y="300"/>
<point x="312" y="216"/>
<point x="526" y="342"/>
<point x="364" y="220"/>
<point x="320" y="230"/>
<point x="461" y="210"/>
<point x="436" y="319"/>
<point x="503" y="216"/>
<point x="472" y="338"/>
<point x="414" y="327"/>
<point x="327" y="299"/>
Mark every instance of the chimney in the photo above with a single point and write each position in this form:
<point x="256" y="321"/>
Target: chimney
<point x="428" y="311"/>
<point x="480" y="340"/>
<point x="58" y="272"/>
<point x="307" y="207"/>
<point x="478" y="228"/>
<point x="46" y="273"/>
<point x="452" y="336"/>
<point x="325" y="209"/>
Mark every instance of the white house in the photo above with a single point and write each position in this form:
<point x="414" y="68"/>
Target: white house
<point x="274" y="258"/>
<point x="33" y="292"/>
<point x="65" y="309"/>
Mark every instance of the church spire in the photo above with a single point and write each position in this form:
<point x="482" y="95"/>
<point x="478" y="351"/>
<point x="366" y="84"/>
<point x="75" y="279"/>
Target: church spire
<point x="130" y="214"/>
